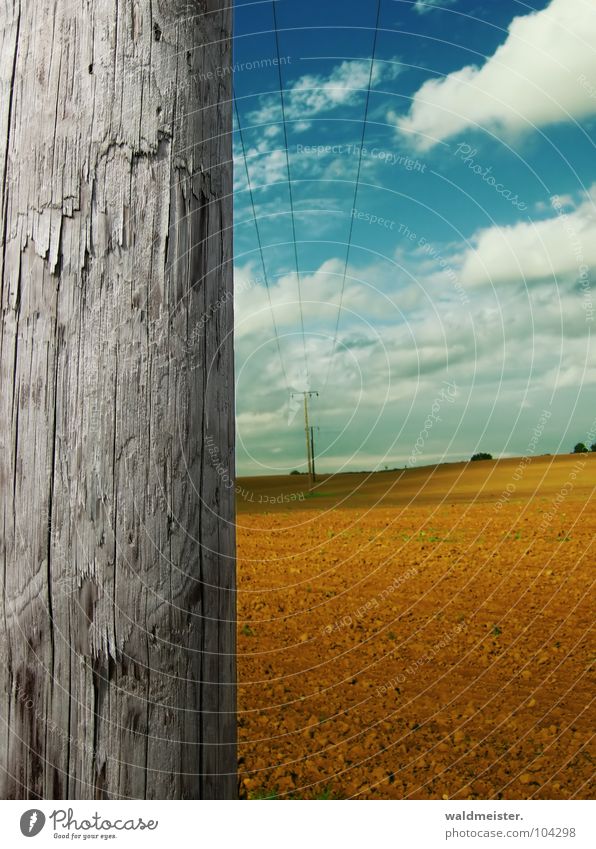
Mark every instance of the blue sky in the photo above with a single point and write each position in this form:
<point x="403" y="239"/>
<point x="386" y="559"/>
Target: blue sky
<point x="473" y="233"/>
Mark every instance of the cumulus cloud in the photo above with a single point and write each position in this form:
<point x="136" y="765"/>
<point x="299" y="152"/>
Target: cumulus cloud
<point x="559" y="248"/>
<point x="540" y="75"/>
<point x="404" y="330"/>
<point x="307" y="97"/>
<point x="314" y="94"/>
<point x="266" y="167"/>
<point x="364" y="300"/>
<point x="516" y="352"/>
<point x="424" y="6"/>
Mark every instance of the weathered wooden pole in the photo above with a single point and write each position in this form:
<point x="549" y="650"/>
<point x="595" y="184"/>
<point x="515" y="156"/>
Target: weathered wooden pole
<point x="117" y="638"/>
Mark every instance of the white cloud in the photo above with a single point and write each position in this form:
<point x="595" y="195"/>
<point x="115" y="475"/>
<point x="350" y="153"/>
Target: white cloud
<point x="530" y="252"/>
<point x="539" y="76"/>
<point x="424" y="6"/>
<point x="309" y="96"/>
<point x="403" y="331"/>
<point x="314" y="94"/>
<point x="266" y="167"/>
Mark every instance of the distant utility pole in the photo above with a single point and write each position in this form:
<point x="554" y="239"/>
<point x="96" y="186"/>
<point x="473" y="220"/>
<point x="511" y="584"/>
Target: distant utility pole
<point x="307" y="431"/>
<point x="312" y="452"/>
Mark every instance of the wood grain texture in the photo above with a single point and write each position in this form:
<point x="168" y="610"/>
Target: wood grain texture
<point x="117" y="637"/>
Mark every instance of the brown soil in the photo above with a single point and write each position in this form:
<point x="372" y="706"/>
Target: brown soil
<point x="402" y="635"/>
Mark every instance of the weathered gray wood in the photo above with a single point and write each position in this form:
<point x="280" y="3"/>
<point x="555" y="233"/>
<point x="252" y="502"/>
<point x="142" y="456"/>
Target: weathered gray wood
<point x="118" y="599"/>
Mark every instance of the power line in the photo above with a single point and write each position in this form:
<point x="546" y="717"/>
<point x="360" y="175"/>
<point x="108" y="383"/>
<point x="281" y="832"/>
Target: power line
<point x="291" y="194"/>
<point x="349" y="246"/>
<point x="260" y="244"/>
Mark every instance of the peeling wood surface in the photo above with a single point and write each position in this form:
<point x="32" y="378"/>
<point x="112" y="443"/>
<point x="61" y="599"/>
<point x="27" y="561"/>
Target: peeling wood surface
<point x="118" y="598"/>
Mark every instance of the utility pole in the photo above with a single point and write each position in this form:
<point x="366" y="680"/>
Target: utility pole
<point x="312" y="452"/>
<point x="117" y="596"/>
<point x="307" y="432"/>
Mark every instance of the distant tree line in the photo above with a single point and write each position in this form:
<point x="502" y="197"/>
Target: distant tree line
<point x="580" y="448"/>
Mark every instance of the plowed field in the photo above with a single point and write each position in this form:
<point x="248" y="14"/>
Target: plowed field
<point x="421" y="634"/>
